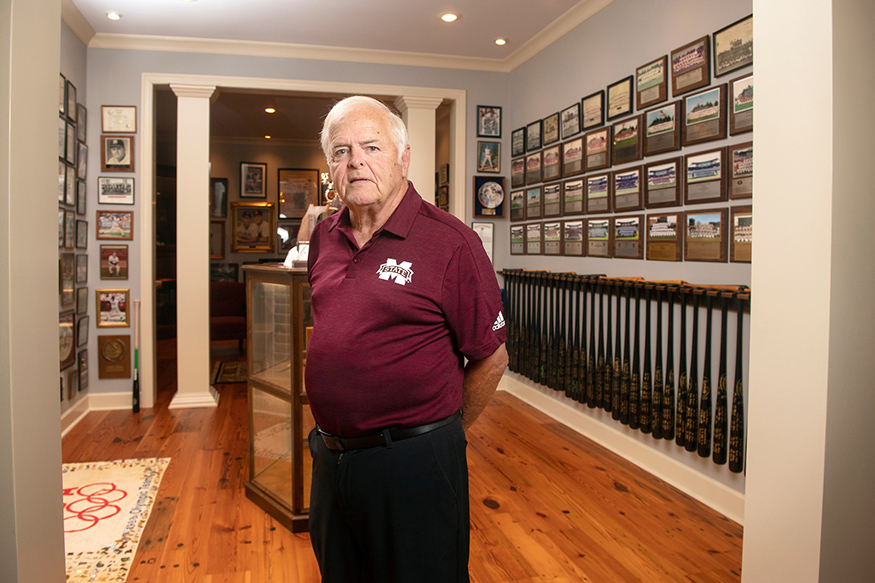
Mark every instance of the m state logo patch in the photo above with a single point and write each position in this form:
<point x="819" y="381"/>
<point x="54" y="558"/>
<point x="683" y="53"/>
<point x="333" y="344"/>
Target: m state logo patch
<point x="400" y="272"/>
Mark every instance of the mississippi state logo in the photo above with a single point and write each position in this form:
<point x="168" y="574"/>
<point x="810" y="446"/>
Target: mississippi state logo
<point x="400" y="272"/>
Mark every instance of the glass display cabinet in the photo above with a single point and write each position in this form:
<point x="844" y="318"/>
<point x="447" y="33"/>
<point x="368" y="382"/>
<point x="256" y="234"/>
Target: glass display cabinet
<point x="280" y="320"/>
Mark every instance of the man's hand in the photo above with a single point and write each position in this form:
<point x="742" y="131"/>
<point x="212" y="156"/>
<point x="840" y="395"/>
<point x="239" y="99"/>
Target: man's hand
<point x="481" y="380"/>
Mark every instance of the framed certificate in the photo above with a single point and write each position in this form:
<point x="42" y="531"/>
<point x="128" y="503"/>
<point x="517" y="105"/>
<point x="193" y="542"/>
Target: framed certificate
<point x="665" y="236"/>
<point x="626" y="143"/>
<point x="689" y="66"/>
<point x="705" y="235"/>
<point x="705" y="177"/>
<point x="598" y="191"/>
<point x="662" y="129"/>
<point x="704" y="116"/>
<point x="518" y="142"/>
<point x="742" y="234"/>
<point x="534" y="238"/>
<point x="570" y="121"/>
<point x="593" y="110"/>
<point x="627" y="189"/>
<point x="651" y="83"/>
<point x="597" y="149"/>
<point x="118" y="119"/>
<point x="572" y="238"/>
<point x="533" y="136"/>
<point x="598" y="236"/>
<point x="620" y="98"/>
<point x="733" y="46"/>
<point x="572" y="197"/>
<point x="628" y="239"/>
<point x="550" y="129"/>
<point x="741" y="108"/>
<point x="662" y="183"/>
<point x="741" y="170"/>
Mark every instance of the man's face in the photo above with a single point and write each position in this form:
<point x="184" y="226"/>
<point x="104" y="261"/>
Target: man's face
<point x="246" y="221"/>
<point x="258" y="219"/>
<point x="364" y="161"/>
<point x="117" y="151"/>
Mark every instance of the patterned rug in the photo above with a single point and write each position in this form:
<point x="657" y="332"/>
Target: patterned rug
<point x="106" y="507"/>
<point x="231" y="371"/>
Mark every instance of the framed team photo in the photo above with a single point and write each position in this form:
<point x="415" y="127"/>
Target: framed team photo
<point x="733" y="46"/>
<point x="488" y="121"/>
<point x="115" y="190"/>
<point x="116" y="153"/>
<point x="690" y="66"/>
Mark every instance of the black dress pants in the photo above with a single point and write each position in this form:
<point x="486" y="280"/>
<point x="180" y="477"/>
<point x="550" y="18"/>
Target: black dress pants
<point x="392" y="514"/>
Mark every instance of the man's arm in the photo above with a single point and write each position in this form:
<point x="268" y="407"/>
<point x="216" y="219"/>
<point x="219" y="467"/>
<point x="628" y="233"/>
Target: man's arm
<point x="481" y="380"/>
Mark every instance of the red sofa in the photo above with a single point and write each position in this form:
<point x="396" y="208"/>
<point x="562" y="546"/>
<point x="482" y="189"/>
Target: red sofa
<point x="228" y="311"/>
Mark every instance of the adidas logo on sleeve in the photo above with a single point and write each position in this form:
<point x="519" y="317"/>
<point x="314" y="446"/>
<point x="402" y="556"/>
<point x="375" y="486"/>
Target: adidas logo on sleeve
<point x="499" y="322"/>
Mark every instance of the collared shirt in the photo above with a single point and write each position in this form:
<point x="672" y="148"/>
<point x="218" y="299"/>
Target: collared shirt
<point x="394" y="319"/>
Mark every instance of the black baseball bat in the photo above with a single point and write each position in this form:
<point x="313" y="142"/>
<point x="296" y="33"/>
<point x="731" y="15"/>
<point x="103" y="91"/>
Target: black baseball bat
<point x="600" y="364"/>
<point x="563" y="364"/>
<point x="591" y="369"/>
<point x="616" y="377"/>
<point x="668" y="391"/>
<point x="626" y="379"/>
<point x="681" y="416"/>
<point x="704" y="433"/>
<point x="656" y="413"/>
<point x="736" y="426"/>
<point x="721" y="414"/>
<point x="692" y="408"/>
<point x="608" y="375"/>
<point x="635" y="384"/>
<point x="574" y="373"/>
<point x="544" y="320"/>
<point x="646" y="406"/>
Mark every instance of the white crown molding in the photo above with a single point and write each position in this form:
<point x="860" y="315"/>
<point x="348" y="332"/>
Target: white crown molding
<point x="77" y="23"/>
<point x="559" y="27"/>
<point x="310" y="143"/>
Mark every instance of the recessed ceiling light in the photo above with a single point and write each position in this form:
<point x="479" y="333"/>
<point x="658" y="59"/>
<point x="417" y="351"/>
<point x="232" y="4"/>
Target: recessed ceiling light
<point x="266" y="137"/>
<point x="500" y="41"/>
<point x="449" y="17"/>
<point x="269" y="110"/>
<point x="113" y="15"/>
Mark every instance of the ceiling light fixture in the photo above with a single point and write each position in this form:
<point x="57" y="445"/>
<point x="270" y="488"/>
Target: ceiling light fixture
<point x="113" y="15"/>
<point x="500" y="42"/>
<point x="269" y="110"/>
<point x="449" y="17"/>
<point x="267" y="137"/>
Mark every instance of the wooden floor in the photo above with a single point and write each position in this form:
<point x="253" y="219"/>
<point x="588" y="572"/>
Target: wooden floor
<point x="546" y="503"/>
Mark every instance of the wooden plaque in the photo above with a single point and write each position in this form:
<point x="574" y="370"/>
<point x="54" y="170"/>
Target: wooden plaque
<point x="626" y="142"/>
<point x="704" y="116"/>
<point x="665" y="236"/>
<point x="114" y="357"/>
<point x="572" y="197"/>
<point x="518" y="205"/>
<point x="662" y="129"/>
<point x="690" y="66"/>
<point x="705" y="176"/>
<point x="741" y="106"/>
<point x="651" y="83"/>
<point x="517" y="240"/>
<point x="598" y="193"/>
<point x="628" y="237"/>
<point x="705" y="235"/>
<point x="533" y="168"/>
<point x="572" y="157"/>
<point x="597" y="149"/>
<point x="627" y="189"/>
<point x="662" y="183"/>
<point x="534" y="239"/>
<point x="598" y="236"/>
<point x="572" y="238"/>
<point x="742" y="234"/>
<point x="740" y="170"/>
<point x="552" y="194"/>
<point x="534" y="203"/>
<point x="553" y="238"/>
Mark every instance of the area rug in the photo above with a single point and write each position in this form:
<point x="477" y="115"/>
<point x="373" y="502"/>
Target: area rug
<point x="231" y="371"/>
<point x="106" y="506"/>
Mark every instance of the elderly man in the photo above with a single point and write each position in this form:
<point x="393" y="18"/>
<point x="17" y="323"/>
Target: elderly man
<point x="402" y="294"/>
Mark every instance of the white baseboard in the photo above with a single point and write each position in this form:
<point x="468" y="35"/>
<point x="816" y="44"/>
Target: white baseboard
<point x="706" y="490"/>
<point x="207" y="399"/>
<point x="72" y="416"/>
<point x="109" y="401"/>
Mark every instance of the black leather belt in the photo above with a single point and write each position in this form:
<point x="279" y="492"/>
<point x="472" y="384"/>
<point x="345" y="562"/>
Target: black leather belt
<point x="385" y="437"/>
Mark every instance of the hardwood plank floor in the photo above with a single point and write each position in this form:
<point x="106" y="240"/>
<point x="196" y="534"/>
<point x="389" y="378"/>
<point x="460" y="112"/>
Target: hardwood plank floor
<point x="547" y="504"/>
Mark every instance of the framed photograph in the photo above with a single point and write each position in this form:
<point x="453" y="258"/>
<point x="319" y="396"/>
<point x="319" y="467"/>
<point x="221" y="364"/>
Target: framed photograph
<point x="71" y="149"/>
<point x="488" y="121"/>
<point x="704" y="116"/>
<point x="620" y="98"/>
<point x="67" y="338"/>
<point x="70" y="185"/>
<point x="705" y="177"/>
<point x="115" y="190"/>
<point x="82" y="167"/>
<point x="71" y="102"/>
<point x="69" y="230"/>
<point x="742" y="234"/>
<point x="81" y="197"/>
<point x="572" y="157"/>
<point x="62" y="181"/>
<point x="253" y="227"/>
<point x="665" y="237"/>
<point x="572" y="197"/>
<point x="570" y="120"/>
<point x="533" y="168"/>
<point x="552" y="163"/>
<point x="533" y="136"/>
<point x="741" y="170"/>
<point x="224" y="272"/>
<point x="663" y="183"/>
<point x="82" y="330"/>
<point x="253" y="180"/>
<point x="517" y="240"/>
<point x="598" y="191"/>
<point x="518" y="142"/>
<point x="534" y="239"/>
<point x="705" y="235"/>
<point x="116" y="153"/>
<point x="62" y="95"/>
<point x="534" y="203"/>
<point x="67" y="278"/>
<point x="287" y="235"/>
<point x="626" y="140"/>
<point x="517" y="172"/>
<point x="552" y="195"/>
<point x="114" y="357"/>
<point x="62" y="139"/>
<point x="572" y="238"/>
<point x="662" y="129"/>
<point x="82" y="363"/>
<point x="81" y="234"/>
<point x="486" y="232"/>
<point x="62" y="224"/>
<point x="690" y="66"/>
<point x="552" y="238"/>
<point x="597" y="149"/>
<point x="113" y="262"/>
<point x="517" y="205"/>
<point x="81" y="300"/>
<point x="598" y="236"/>
<point x="550" y="129"/>
<point x="489" y="157"/>
<point x="444" y="175"/>
<point x="217" y="238"/>
<point x="72" y="382"/>
<point x="218" y="198"/>
<point x="741" y="110"/>
<point x="81" y="122"/>
<point x="628" y="238"/>
<point x="112" y="308"/>
<point x="115" y="225"/>
<point x="298" y="189"/>
<point x="118" y="119"/>
<point x="651" y="83"/>
<point x="733" y="46"/>
<point x="593" y="110"/>
<point x="627" y="189"/>
<point x="488" y="197"/>
<point x="443" y="197"/>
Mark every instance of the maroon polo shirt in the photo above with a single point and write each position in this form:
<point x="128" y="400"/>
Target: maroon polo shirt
<point x="394" y="319"/>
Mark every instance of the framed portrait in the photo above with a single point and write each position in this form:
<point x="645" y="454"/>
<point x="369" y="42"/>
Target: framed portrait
<point x="486" y="232"/>
<point x="112" y="308"/>
<point x="67" y="278"/>
<point x="488" y="121"/>
<point x="116" y="153"/>
<point x="82" y="330"/>
<point x="218" y="198"/>
<point x="533" y="168"/>
<point x="662" y="183"/>
<point x="298" y="189"/>
<point x="705" y="177"/>
<point x="224" y="271"/>
<point x="488" y="197"/>
<point x="552" y="195"/>
<point x="534" y="203"/>
<point x="253" y="180"/>
<point x="570" y="121"/>
<point x="704" y="116"/>
<point x="550" y="129"/>
<point x="742" y="234"/>
<point x="597" y="149"/>
<point x="62" y="95"/>
<point x="534" y="238"/>
<point x="287" y="235"/>
<point x="115" y="190"/>
<point x="118" y="119"/>
<point x="517" y="205"/>
<point x="518" y="142"/>
<point x="533" y="136"/>
<point x="82" y="363"/>
<point x="114" y="357"/>
<point x="71" y="102"/>
<point x="81" y="234"/>
<point x="572" y="197"/>
<point x="551" y="163"/>
<point x="593" y="110"/>
<point x="627" y="189"/>
<point x="82" y="167"/>
<point x="690" y="66"/>
<point x="741" y="108"/>
<point x="81" y="300"/>
<point x="598" y="237"/>
<point x="489" y="157"/>
<point x="217" y="238"/>
<point x="81" y="122"/>
<point x="572" y="157"/>
<point x="113" y="262"/>
<point x="705" y="235"/>
<point x="517" y="240"/>
<point x="253" y="227"/>
<point x="81" y="197"/>
<point x="626" y="142"/>
<point x="620" y="98"/>
<point x="651" y="83"/>
<point x="517" y="172"/>
<point x="733" y="46"/>
<point x="665" y="237"/>
<point x="628" y="237"/>
<point x="67" y="338"/>
<point x="741" y="170"/>
<point x="662" y="129"/>
<point x="115" y="225"/>
<point x="572" y="238"/>
<point x="598" y="193"/>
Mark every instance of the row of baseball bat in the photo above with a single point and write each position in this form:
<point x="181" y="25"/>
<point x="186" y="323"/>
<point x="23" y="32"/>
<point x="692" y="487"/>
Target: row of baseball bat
<point x="581" y="335"/>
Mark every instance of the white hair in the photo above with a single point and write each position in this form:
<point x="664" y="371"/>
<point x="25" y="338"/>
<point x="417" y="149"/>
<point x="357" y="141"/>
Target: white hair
<point x="397" y="129"/>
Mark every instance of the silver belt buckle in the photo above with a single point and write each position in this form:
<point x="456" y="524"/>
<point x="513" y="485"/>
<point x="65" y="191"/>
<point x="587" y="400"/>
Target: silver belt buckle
<point x="331" y="441"/>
